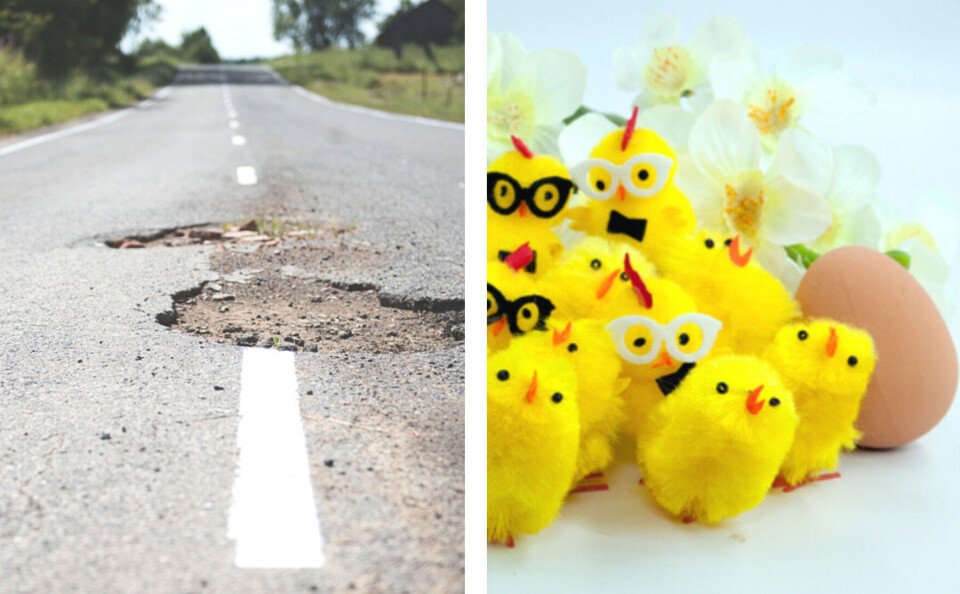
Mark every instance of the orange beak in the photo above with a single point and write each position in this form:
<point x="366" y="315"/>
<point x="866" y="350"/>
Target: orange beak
<point x="663" y="361"/>
<point x="498" y="326"/>
<point x="736" y="257"/>
<point x="754" y="404"/>
<point x="832" y="342"/>
<point x="523" y="209"/>
<point x="561" y="337"/>
<point x="532" y="390"/>
<point x="607" y="283"/>
<point x="621" y="193"/>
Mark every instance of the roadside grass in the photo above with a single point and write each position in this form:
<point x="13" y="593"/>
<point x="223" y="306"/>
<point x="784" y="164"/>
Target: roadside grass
<point x="30" y="102"/>
<point x="375" y="77"/>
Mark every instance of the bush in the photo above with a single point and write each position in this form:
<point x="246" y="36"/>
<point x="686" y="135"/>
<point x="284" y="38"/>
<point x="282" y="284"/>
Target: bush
<point x="18" y="79"/>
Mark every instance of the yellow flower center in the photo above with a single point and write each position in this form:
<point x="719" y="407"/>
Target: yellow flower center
<point x="510" y="115"/>
<point x="743" y="204"/>
<point x="670" y="72"/>
<point x="905" y="231"/>
<point x="773" y="107"/>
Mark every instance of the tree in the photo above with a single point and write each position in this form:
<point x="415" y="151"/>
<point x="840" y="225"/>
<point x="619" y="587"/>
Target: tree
<point x="60" y="35"/>
<point x="198" y="47"/>
<point x="319" y="24"/>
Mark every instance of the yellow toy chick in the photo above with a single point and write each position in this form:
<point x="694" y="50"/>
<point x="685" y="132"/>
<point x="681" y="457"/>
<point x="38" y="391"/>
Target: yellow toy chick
<point x="587" y="345"/>
<point x="717" y="442"/>
<point x="629" y="177"/>
<point x="533" y="432"/>
<point x="827" y="366"/>
<point x="525" y="195"/>
<point x="515" y="305"/>
<point x="750" y="302"/>
<point x="590" y="280"/>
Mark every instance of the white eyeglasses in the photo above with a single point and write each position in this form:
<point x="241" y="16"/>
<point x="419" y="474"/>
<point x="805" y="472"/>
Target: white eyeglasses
<point x="709" y="328"/>
<point x="650" y="170"/>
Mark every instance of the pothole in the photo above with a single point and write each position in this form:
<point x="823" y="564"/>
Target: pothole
<point x="282" y="293"/>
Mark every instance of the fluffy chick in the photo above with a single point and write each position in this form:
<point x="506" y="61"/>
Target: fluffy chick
<point x="728" y="285"/>
<point x="526" y="195"/>
<point x="533" y="432"/>
<point x="717" y="442"/>
<point x="590" y="281"/>
<point x="648" y="223"/>
<point x="827" y="366"/>
<point x="515" y="305"/>
<point x="587" y="344"/>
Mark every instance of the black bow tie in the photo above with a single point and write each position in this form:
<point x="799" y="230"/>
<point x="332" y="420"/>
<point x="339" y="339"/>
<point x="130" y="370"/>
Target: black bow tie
<point x="635" y="228"/>
<point x="669" y="383"/>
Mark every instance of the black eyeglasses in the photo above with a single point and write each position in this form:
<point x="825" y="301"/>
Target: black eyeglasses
<point x="545" y="198"/>
<point x="523" y="314"/>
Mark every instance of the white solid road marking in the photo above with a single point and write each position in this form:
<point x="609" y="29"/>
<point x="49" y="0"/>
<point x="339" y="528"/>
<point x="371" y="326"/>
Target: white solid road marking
<point x="246" y="175"/>
<point x="234" y="124"/>
<point x="145" y="104"/>
<point x="238" y="140"/>
<point x="231" y="114"/>
<point x="273" y="518"/>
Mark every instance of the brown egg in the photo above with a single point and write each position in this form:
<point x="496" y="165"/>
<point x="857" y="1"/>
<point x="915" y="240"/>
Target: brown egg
<point x="915" y="378"/>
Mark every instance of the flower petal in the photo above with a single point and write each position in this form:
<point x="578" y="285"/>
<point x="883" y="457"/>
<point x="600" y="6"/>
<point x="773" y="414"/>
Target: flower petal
<point x="556" y="82"/>
<point x="855" y="176"/>
<point x="733" y="78"/>
<point x="660" y="29"/>
<point x="720" y="36"/>
<point x="807" y="61"/>
<point x="628" y="64"/>
<point x="704" y="193"/>
<point x="580" y="136"/>
<point x="701" y="96"/>
<point x="791" y="213"/>
<point x="512" y="55"/>
<point x="494" y="58"/>
<point x="724" y="142"/>
<point x="804" y="160"/>
<point x="833" y="95"/>
<point x="671" y="122"/>
<point x="496" y="147"/>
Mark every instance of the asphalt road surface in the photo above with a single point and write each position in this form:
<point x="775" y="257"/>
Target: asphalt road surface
<point x="119" y="437"/>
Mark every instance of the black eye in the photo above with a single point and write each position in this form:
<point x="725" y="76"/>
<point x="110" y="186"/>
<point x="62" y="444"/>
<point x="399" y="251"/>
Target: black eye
<point x="643" y="175"/>
<point x="548" y="196"/>
<point x="503" y="375"/>
<point x="526" y="313"/>
<point x="572" y="347"/>
<point x="722" y="388"/>
<point x="601" y="185"/>
<point x="802" y="335"/>
<point x="774" y="402"/>
<point x="624" y="277"/>
<point x="727" y="242"/>
<point x="489" y="304"/>
<point x="684" y="339"/>
<point x="852" y="361"/>
<point x="639" y="342"/>
<point x="709" y="243"/>
<point x="557" y="397"/>
<point x="596" y="264"/>
<point x="503" y="190"/>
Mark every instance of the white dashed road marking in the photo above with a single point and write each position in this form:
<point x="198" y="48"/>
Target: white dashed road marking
<point x="273" y="518"/>
<point x="238" y="140"/>
<point x="234" y="124"/>
<point x="246" y="175"/>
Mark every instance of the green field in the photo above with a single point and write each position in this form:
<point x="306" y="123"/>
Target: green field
<point x="28" y="101"/>
<point x="375" y="77"/>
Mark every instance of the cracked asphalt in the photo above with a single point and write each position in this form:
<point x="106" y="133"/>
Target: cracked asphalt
<point x="117" y="450"/>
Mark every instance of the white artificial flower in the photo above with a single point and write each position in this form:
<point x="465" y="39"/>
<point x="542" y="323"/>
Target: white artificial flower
<point x="665" y="71"/>
<point x="930" y="245"/>
<point x="729" y="192"/>
<point x="529" y="94"/>
<point x="810" y="82"/>
<point x="845" y="176"/>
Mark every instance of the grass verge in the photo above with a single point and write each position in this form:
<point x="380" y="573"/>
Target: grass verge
<point x="375" y="77"/>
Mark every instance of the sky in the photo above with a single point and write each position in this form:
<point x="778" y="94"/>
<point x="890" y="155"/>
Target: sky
<point x="239" y="28"/>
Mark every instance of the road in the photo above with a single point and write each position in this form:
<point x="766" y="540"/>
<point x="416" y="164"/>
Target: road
<point x="119" y="436"/>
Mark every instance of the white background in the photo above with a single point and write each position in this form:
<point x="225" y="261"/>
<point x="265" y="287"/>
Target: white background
<point x="892" y="522"/>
